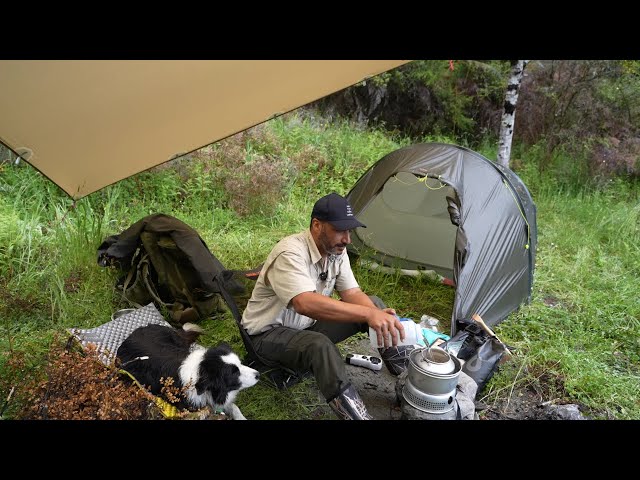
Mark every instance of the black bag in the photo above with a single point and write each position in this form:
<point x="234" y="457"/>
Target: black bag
<point x="472" y="337"/>
<point x="396" y="359"/>
<point x="481" y="353"/>
<point x="483" y="364"/>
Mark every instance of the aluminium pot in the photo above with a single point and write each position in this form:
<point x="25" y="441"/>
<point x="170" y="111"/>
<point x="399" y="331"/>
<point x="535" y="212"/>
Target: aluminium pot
<point x="433" y="371"/>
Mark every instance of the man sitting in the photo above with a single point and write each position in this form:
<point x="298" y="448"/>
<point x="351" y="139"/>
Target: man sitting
<point x="292" y="318"/>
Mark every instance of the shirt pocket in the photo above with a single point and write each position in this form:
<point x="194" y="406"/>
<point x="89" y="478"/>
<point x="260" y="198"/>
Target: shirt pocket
<point x="328" y="286"/>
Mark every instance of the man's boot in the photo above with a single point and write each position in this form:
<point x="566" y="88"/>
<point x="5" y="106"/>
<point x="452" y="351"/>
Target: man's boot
<point x="349" y="406"/>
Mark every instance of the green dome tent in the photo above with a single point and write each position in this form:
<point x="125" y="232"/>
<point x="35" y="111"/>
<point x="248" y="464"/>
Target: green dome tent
<point x="446" y="209"/>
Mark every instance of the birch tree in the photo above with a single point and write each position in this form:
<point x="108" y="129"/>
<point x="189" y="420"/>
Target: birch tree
<point x="509" y="114"/>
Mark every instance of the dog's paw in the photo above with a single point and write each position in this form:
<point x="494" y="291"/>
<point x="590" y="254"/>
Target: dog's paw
<point x="234" y="412"/>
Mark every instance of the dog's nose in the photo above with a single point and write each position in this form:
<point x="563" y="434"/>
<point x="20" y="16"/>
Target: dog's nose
<point x="257" y="375"/>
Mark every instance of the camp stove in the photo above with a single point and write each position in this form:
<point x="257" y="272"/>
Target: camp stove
<point x="426" y="402"/>
<point x="432" y="378"/>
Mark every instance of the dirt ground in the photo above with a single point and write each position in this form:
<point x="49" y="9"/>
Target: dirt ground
<point x="522" y="405"/>
<point x="526" y="404"/>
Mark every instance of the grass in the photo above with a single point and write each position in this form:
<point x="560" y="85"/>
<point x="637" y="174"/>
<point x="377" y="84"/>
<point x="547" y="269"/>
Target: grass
<point x="576" y="342"/>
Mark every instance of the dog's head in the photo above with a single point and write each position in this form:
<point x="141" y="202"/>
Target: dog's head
<point x="222" y="375"/>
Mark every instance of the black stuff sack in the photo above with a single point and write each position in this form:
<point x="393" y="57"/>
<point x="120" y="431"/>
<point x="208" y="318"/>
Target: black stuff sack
<point x="480" y="352"/>
<point x="483" y="364"/>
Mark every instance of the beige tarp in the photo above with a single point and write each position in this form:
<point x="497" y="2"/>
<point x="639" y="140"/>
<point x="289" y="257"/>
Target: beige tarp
<point x="87" y="124"/>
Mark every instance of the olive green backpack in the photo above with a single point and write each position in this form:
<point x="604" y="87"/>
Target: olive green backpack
<point x="166" y="262"/>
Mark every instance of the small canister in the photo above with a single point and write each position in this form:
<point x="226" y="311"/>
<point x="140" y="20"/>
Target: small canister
<point x="429" y="322"/>
<point x="122" y="312"/>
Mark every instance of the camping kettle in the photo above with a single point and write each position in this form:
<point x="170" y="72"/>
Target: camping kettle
<point x="435" y="360"/>
<point x="433" y="371"/>
<point x="432" y="378"/>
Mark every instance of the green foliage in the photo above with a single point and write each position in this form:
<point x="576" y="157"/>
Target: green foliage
<point x="576" y="341"/>
<point x="621" y="93"/>
<point x="588" y="110"/>
<point x="583" y="113"/>
<point x="488" y="77"/>
<point x="330" y="156"/>
<point x="9" y="239"/>
<point x="428" y="97"/>
<point x="453" y="118"/>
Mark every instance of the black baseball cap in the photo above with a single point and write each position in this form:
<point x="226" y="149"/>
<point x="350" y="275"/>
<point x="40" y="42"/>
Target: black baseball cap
<point x="336" y="210"/>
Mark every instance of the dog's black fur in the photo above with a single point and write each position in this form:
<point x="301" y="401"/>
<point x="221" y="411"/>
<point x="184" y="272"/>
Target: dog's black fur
<point x="212" y="376"/>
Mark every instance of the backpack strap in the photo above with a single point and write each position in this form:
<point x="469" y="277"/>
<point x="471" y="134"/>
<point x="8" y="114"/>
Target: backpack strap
<point x="132" y="272"/>
<point x="246" y="338"/>
<point x="144" y="266"/>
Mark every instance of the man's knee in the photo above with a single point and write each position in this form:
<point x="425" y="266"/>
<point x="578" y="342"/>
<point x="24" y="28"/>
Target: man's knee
<point x="319" y="346"/>
<point x="316" y="353"/>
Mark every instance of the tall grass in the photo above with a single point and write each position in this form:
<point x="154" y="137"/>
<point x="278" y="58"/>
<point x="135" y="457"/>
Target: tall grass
<point x="577" y="340"/>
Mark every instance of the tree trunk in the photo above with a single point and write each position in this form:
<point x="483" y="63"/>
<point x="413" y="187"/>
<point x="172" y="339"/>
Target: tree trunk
<point x="509" y="114"/>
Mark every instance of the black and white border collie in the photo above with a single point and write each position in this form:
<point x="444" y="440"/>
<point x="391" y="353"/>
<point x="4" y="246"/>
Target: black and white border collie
<point x="212" y="376"/>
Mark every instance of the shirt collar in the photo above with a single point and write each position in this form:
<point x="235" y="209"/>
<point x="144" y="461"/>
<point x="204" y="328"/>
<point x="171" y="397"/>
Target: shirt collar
<point x="313" y="249"/>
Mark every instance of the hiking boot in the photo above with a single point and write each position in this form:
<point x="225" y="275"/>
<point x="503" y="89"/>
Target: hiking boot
<point x="349" y="406"/>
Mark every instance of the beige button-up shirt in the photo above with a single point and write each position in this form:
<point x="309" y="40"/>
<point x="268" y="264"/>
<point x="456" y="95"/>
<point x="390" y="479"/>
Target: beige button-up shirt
<point x="294" y="266"/>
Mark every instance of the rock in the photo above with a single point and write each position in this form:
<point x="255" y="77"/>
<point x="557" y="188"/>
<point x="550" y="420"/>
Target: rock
<point x="560" y="412"/>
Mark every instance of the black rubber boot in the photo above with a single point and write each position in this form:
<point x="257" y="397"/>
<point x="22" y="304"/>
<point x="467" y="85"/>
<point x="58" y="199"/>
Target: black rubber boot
<point x="349" y="406"/>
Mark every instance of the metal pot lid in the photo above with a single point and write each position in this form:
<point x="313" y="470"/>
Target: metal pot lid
<point x="434" y="360"/>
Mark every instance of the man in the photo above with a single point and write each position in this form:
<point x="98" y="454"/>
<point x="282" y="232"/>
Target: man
<point x="292" y="318"/>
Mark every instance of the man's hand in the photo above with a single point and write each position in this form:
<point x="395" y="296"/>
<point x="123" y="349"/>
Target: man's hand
<point x="386" y="323"/>
<point x="355" y="307"/>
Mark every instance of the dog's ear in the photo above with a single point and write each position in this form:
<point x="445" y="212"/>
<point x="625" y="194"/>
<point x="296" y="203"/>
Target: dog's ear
<point x="215" y="385"/>
<point x="223" y="348"/>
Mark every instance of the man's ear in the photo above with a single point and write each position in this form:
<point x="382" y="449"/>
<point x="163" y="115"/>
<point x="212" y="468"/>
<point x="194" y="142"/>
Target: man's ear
<point x="316" y="224"/>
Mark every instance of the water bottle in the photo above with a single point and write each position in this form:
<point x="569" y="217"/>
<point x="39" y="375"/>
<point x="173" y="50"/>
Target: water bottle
<point x="429" y="322"/>
<point x="412" y="334"/>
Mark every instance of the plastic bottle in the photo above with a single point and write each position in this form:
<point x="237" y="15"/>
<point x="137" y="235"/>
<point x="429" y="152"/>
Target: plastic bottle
<point x="429" y="322"/>
<point x="412" y="334"/>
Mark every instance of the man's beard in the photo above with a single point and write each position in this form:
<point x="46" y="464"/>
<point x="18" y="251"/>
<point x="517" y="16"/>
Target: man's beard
<point x="328" y="247"/>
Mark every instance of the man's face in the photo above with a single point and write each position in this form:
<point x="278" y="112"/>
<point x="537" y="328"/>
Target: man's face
<point x="333" y="241"/>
